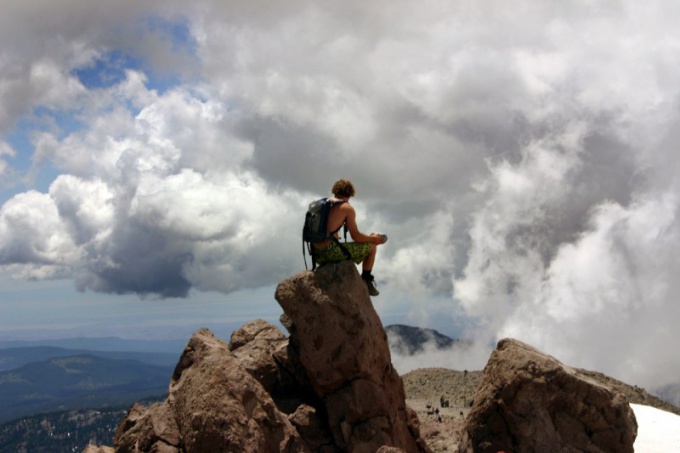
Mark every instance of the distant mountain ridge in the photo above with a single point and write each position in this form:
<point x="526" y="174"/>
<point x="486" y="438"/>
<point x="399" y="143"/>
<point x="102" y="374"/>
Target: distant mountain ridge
<point x="409" y="340"/>
<point x="78" y="381"/>
<point x="110" y="344"/>
<point x="13" y="358"/>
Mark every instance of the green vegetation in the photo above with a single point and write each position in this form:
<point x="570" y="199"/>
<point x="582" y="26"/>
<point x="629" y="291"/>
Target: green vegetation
<point x="78" y="382"/>
<point x="66" y="431"/>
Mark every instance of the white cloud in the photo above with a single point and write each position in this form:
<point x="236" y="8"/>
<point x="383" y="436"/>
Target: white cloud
<point x="522" y="154"/>
<point x="33" y="241"/>
<point x="85" y="208"/>
<point x="608" y="291"/>
<point x="460" y="356"/>
<point x="422" y="262"/>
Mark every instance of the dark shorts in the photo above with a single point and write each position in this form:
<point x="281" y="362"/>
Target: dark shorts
<point x="332" y="253"/>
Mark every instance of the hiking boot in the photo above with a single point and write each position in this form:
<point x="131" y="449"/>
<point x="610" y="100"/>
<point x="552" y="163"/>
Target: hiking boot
<point x="372" y="290"/>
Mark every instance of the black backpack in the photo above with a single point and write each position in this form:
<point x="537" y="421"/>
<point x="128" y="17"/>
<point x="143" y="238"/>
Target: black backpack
<point x="315" y="228"/>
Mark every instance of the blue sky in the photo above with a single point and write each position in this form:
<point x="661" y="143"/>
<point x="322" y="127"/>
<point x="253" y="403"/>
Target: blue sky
<point x="105" y="71"/>
<point x="156" y="160"/>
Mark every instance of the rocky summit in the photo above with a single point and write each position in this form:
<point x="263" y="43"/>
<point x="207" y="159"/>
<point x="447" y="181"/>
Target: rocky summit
<point x="327" y="387"/>
<point x="343" y="347"/>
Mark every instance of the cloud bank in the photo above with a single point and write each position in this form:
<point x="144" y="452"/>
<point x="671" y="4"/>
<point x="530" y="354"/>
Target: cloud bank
<point x="521" y="156"/>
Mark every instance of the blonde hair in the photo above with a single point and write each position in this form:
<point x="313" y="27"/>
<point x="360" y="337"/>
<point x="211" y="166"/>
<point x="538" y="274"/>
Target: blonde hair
<point x="343" y="188"/>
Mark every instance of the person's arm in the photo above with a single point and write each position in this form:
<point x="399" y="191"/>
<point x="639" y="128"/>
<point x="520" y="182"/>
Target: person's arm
<point x="357" y="236"/>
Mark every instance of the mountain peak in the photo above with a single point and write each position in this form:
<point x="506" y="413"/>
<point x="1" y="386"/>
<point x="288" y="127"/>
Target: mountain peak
<point x="409" y="340"/>
<point x="329" y="386"/>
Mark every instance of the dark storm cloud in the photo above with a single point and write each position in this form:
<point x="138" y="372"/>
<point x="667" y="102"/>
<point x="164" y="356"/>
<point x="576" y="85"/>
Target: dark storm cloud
<point x="141" y="260"/>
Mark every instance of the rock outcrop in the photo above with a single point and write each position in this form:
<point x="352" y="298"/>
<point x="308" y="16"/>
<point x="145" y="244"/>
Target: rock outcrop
<point x="529" y="402"/>
<point x="214" y="404"/>
<point x="343" y="349"/>
<point x="328" y="387"/>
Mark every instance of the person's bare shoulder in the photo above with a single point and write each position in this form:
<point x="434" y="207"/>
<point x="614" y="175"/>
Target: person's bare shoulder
<point x="346" y="208"/>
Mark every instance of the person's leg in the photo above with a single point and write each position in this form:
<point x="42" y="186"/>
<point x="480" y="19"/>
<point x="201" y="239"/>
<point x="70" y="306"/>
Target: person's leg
<point x="365" y="253"/>
<point x="367" y="264"/>
<point x="367" y="268"/>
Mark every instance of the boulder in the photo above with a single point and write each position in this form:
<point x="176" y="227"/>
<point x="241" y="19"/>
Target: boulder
<point x="148" y="429"/>
<point x="528" y="401"/>
<point x="264" y="351"/>
<point x="343" y="349"/>
<point x="313" y="428"/>
<point x="214" y="405"/>
<point x="254" y="345"/>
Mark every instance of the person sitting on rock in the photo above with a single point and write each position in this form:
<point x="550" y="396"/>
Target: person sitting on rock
<point x="362" y="250"/>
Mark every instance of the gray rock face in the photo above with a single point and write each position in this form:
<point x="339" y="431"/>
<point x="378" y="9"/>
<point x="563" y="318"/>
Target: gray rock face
<point x="328" y="388"/>
<point x="528" y="401"/>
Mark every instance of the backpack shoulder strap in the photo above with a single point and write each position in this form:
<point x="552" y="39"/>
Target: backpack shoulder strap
<point x="332" y="233"/>
<point x="333" y="202"/>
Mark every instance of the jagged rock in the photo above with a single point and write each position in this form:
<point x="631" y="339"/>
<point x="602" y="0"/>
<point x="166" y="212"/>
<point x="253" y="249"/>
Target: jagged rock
<point x="217" y="406"/>
<point x="313" y="429"/>
<point x="343" y="349"/>
<point x="264" y="352"/>
<point x="255" y="345"/>
<point x="258" y="329"/>
<point x="96" y="449"/>
<point x="148" y="429"/>
<point x="528" y="401"/>
<point x="328" y="388"/>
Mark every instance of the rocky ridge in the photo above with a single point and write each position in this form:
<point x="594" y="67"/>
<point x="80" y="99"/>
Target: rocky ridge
<point x="409" y="340"/>
<point x="426" y="386"/>
<point x="429" y="384"/>
<point x="330" y="387"/>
